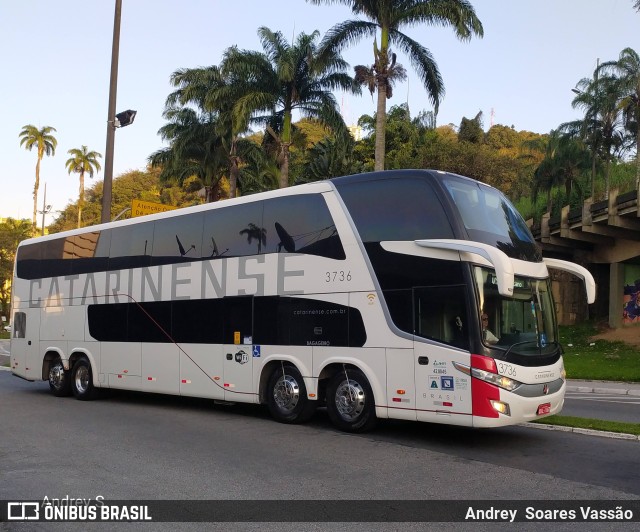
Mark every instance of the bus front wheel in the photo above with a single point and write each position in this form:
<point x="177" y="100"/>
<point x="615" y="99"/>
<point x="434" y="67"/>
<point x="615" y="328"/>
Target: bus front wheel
<point x="350" y="403"/>
<point x="82" y="380"/>
<point x="287" y="396"/>
<point x="59" y="379"/>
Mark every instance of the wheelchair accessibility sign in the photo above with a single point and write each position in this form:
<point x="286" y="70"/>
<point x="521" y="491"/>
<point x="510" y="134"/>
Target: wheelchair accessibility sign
<point x="446" y="383"/>
<point x="256" y="351"/>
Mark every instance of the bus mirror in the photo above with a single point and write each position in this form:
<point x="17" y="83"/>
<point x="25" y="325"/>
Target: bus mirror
<point x="578" y="271"/>
<point x="498" y="259"/>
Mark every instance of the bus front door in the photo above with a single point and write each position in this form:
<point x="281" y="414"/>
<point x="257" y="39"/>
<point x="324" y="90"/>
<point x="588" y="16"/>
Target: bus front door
<point x="443" y="393"/>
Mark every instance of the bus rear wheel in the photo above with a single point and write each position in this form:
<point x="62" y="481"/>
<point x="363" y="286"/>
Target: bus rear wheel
<point x="287" y="396"/>
<point x="59" y="379"/>
<point x="350" y="403"/>
<point x="82" y="380"/>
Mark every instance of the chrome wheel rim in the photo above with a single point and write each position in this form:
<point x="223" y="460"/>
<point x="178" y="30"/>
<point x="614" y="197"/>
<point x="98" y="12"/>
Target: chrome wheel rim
<point x="286" y="393"/>
<point x="56" y="376"/>
<point x="350" y="400"/>
<point x="82" y="379"/>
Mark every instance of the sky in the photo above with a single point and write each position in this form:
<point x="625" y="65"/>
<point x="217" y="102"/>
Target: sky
<point x="56" y="57"/>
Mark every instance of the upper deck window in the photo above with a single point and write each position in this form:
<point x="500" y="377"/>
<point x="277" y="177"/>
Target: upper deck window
<point x="399" y="208"/>
<point x="489" y="217"/>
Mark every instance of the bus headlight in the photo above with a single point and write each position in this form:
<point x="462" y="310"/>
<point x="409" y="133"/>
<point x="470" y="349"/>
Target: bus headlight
<point x="493" y="378"/>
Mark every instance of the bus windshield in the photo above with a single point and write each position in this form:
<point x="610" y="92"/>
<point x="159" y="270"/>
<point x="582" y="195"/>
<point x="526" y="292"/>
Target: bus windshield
<point x="523" y="324"/>
<point x="489" y="217"/>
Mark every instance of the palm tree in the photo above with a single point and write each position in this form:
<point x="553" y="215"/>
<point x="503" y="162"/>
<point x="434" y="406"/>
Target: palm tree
<point x="82" y="161"/>
<point x="566" y="159"/>
<point x="215" y="91"/>
<point x="12" y="232"/>
<point x="46" y="144"/>
<point x="195" y="149"/>
<point x="253" y="232"/>
<point x="388" y="17"/>
<point x="602" y="128"/>
<point x="627" y="69"/>
<point x="287" y="78"/>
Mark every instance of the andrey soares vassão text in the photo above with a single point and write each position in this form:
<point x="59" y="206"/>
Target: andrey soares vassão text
<point x="582" y="513"/>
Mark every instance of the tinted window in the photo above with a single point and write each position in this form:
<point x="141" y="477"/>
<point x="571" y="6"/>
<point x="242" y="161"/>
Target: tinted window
<point x="90" y="251"/>
<point x="108" y="323"/>
<point x="198" y="321"/>
<point x="55" y="257"/>
<point x="177" y="239"/>
<point x="29" y="262"/>
<point x="301" y="321"/>
<point x="396" y="271"/>
<point x="278" y="321"/>
<point x="233" y="231"/>
<point x="131" y="246"/>
<point x="435" y="312"/>
<point x="301" y="224"/>
<point x="237" y="319"/>
<point x="440" y="314"/>
<point x="149" y="322"/>
<point x="395" y="209"/>
<point x="489" y="217"/>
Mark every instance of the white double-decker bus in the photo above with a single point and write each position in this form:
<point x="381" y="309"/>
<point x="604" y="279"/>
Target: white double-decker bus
<point x="363" y="294"/>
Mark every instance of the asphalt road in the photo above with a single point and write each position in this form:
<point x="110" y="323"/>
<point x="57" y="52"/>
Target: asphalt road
<point x="136" y="446"/>
<point x="609" y="406"/>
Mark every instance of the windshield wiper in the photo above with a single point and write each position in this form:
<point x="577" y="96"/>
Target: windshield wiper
<point x="530" y="342"/>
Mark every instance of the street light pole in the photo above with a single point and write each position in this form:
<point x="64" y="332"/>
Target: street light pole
<point x="595" y="131"/>
<point x="111" y="117"/>
<point x="46" y="209"/>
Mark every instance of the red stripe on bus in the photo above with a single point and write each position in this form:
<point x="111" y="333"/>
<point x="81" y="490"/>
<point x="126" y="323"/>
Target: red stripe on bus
<point x="481" y="395"/>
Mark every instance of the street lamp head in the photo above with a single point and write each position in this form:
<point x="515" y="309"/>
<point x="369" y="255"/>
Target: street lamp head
<point x="577" y="91"/>
<point x="125" y="118"/>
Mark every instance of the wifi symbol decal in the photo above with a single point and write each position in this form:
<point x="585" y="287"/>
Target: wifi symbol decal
<point x="371" y="298"/>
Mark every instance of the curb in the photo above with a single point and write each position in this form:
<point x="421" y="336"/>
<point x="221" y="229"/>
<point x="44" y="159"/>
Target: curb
<point x="610" y="391"/>
<point x="588" y="432"/>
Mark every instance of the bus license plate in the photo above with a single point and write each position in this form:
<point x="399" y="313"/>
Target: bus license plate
<point x="544" y="409"/>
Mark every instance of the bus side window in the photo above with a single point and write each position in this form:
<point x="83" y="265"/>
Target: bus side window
<point x="440" y="314"/>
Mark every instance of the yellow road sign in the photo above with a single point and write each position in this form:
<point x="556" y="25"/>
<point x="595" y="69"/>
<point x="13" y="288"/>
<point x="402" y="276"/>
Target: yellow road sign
<point x="142" y="208"/>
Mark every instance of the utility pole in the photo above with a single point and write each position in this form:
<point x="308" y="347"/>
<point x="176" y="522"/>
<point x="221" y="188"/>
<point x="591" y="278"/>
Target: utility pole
<point x="46" y="209"/>
<point x="594" y="155"/>
<point x="111" y="117"/>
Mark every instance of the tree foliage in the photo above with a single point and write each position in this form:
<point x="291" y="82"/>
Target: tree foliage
<point x="45" y="143"/>
<point x="82" y="161"/>
<point x="12" y="232"/>
<point x="386" y="19"/>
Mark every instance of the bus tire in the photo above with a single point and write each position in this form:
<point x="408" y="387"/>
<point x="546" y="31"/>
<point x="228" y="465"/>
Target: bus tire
<point x="350" y="402"/>
<point x="82" y="380"/>
<point x="59" y="379"/>
<point x="287" y="396"/>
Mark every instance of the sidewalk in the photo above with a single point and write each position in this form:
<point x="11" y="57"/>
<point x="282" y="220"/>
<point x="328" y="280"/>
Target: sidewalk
<point x="606" y="387"/>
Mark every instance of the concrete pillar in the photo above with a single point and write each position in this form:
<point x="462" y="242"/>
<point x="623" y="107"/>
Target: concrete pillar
<point x="616" y="287"/>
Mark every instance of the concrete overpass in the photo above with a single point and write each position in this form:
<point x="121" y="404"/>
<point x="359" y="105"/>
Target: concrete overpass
<point x="604" y="237"/>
